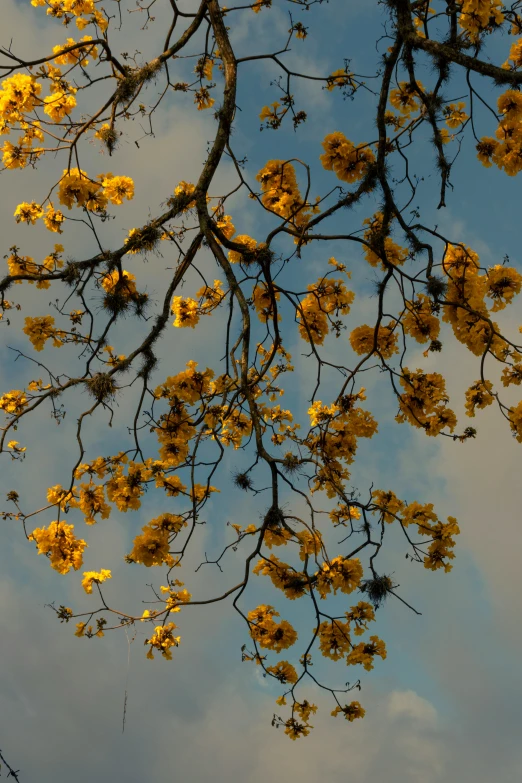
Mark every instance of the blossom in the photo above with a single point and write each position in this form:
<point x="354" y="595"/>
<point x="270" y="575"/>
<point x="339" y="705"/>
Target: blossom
<point x="350" y="711"/>
<point x="59" y="105"/>
<point x="53" y="219"/>
<point x="28" y="212"/>
<point x="41" y="329"/>
<point x="163" y="640"/>
<point x="58" y="541"/>
<point x="13" y="402"/>
<point x="186" y="311"/>
<point x="405" y="97"/>
<point x="77" y="188"/>
<point x="117" y="188"/>
<point x="203" y="99"/>
<point x="479" y="396"/>
<point x="349" y="162"/>
<point x="89" y="577"/>
<point x="455" y="114"/>
<point x="92" y="502"/>
<point x="363" y="339"/>
<point x="284" y="672"/>
<point x="365" y="652"/>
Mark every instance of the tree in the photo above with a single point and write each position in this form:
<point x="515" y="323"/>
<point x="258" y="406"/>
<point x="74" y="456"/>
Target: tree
<point x="185" y="424"/>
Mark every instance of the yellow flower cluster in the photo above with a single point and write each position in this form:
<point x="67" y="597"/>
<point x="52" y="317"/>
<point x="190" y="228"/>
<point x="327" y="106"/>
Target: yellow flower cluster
<point x="125" y="491"/>
<point x="152" y="547"/>
<point x="385" y="339"/>
<point x="340" y="78"/>
<point x="61" y="497"/>
<point x="387" y="504"/>
<point x="405" y="98"/>
<point x="187" y="312"/>
<point x="479" y="16"/>
<point x="342" y="514"/>
<point x="19" y="95"/>
<point x="77" y="188"/>
<point x="419" y="321"/>
<point x="13" y="402"/>
<point x="89" y="577"/>
<point x="190" y="385"/>
<point x="423" y="403"/>
<point x="284" y="672"/>
<point x="350" y="711"/>
<point x="455" y="115"/>
<point x="479" y="395"/>
<point x="59" y="105"/>
<point x="514" y="60"/>
<point x="365" y="652"/>
<point x="341" y="573"/>
<point x="335" y="442"/>
<point x="505" y="151"/>
<point x="281" y="192"/>
<point x="78" y="55"/>
<point x="58" y="8"/>
<point x="116" y="188"/>
<point x="334" y="635"/>
<point x="263" y="301"/>
<point x="334" y="639"/>
<point x="28" y="213"/>
<point x="58" y="541"/>
<point x="380" y="249"/>
<point x="249" y="244"/>
<point x="466" y="310"/>
<point x="91" y="502"/>
<point x="25" y="265"/>
<point x="124" y="284"/>
<point x="203" y="99"/>
<point x="327" y="297"/>
<point x="174" y="432"/>
<point x="41" y="329"/>
<point x="442" y="534"/>
<point x="293" y="583"/>
<point x="176" y="597"/>
<point x="515" y="421"/>
<point x="269" y="634"/>
<point x="259" y="4"/>
<point x="163" y="640"/>
<point x="350" y="163"/>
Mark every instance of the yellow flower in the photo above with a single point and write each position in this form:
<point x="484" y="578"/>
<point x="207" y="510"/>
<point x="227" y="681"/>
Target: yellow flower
<point x="13" y="402"/>
<point x="53" y="219"/>
<point x="455" y="114"/>
<point x="479" y="395"/>
<point x="28" y="213"/>
<point x="339" y="78"/>
<point x="59" y="542"/>
<point x="351" y="711"/>
<point x="117" y="188"/>
<point x="163" y="640"/>
<point x="89" y="577"/>
<point x="59" y="105"/>
<point x="203" y="99"/>
<point x="406" y="98"/>
<point x="80" y="629"/>
<point x="363" y="339"/>
<point x="259" y="4"/>
<point x="41" y="329"/>
<point x="186" y="311"/>
<point x="13" y="444"/>
<point x="284" y="672"/>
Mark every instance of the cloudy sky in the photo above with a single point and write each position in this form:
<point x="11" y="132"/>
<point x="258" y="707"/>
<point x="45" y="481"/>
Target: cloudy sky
<point x="445" y="704"/>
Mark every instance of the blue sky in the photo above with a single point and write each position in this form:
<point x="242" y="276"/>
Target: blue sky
<point x="446" y="702"/>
